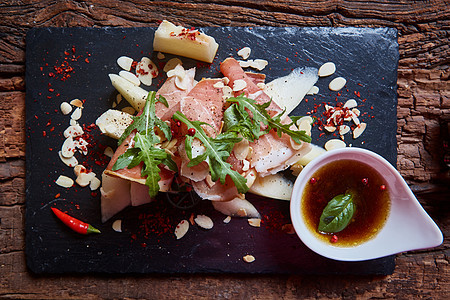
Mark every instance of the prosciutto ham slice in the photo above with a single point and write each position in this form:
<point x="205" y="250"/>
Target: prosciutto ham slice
<point x="271" y="154"/>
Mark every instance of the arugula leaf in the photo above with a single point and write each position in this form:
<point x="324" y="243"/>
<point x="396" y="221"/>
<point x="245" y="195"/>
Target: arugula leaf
<point x="337" y="214"/>
<point x="217" y="151"/>
<point x="260" y="115"/>
<point x="144" y="150"/>
<point x="237" y="119"/>
<point x="148" y="119"/>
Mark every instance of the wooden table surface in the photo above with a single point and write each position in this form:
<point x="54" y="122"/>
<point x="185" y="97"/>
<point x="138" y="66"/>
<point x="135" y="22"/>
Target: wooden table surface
<point x="423" y="99"/>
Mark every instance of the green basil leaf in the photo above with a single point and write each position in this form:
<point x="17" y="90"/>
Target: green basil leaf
<point x="337" y="214"/>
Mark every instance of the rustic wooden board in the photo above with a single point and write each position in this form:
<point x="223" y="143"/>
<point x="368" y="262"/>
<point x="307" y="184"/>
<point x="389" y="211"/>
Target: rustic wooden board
<point x="366" y="57"/>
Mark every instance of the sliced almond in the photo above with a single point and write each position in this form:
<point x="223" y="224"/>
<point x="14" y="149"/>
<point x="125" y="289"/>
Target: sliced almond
<point x="78" y="169"/>
<point x="130" y="77"/>
<point x="76" y="115"/>
<point x="227" y="92"/>
<point x="343" y="129"/>
<point x="355" y="118"/>
<point x="129" y="110"/>
<point x="66" y="108"/>
<point x="204" y="221"/>
<point x="242" y="212"/>
<point x="245" y="64"/>
<point x="119" y="98"/>
<point x="334" y="144"/>
<point x="305" y="125"/>
<point x="350" y="103"/>
<point x="64" y="181"/>
<point x="239" y="85"/>
<point x="70" y="162"/>
<point x="125" y="62"/>
<point x="182" y="82"/>
<point x="249" y="258"/>
<point x="329" y="128"/>
<point x="81" y="145"/>
<point x="225" y="80"/>
<point x="254" y="222"/>
<point x="68" y="148"/>
<point x="356" y="112"/>
<point x="259" y="64"/>
<point x="181" y="229"/>
<point x="84" y="179"/>
<point x="77" y="103"/>
<point x="250" y="177"/>
<point x="117" y="226"/>
<point x="244" y="52"/>
<point x="313" y="91"/>
<point x="241" y="149"/>
<point x="73" y="122"/>
<point x="171" y="64"/>
<point x="227" y="220"/>
<point x="219" y="85"/>
<point x="73" y="131"/>
<point x="359" y="130"/>
<point x="327" y="69"/>
<point x="209" y="181"/>
<point x="109" y="152"/>
<point x="337" y="84"/>
<point x="246" y="165"/>
<point x="261" y="85"/>
<point x="95" y="183"/>
<point x="160" y="55"/>
<point x="146" y="70"/>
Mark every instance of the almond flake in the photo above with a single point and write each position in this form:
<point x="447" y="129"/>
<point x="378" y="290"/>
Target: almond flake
<point x="261" y="85"/>
<point x="250" y="177"/>
<point x="70" y="162"/>
<point x="343" y="129"/>
<point x="181" y="229"/>
<point x="225" y="80"/>
<point x="84" y="179"/>
<point x="182" y="82"/>
<point x="296" y="169"/>
<point x="244" y="52"/>
<point x="334" y="144"/>
<point x="359" y="130"/>
<point x="78" y="169"/>
<point x="73" y="122"/>
<point x="327" y="69"/>
<point x="125" y="62"/>
<point x="227" y="220"/>
<point x="73" y="131"/>
<point x="76" y="115"/>
<point x="227" y="92"/>
<point x="130" y="77"/>
<point x="351" y="103"/>
<point x="204" y="221"/>
<point x="68" y="148"/>
<point x="146" y="70"/>
<point x="245" y="64"/>
<point x="337" y="84"/>
<point x="246" y="165"/>
<point x="313" y="91"/>
<point x="117" y="226"/>
<point x="249" y="258"/>
<point x="259" y="64"/>
<point x="118" y="98"/>
<point x="160" y="55"/>
<point x="77" y="103"/>
<point x="95" y="183"/>
<point x="239" y="85"/>
<point x="171" y="64"/>
<point x="109" y="152"/>
<point x="66" y="108"/>
<point x="219" y="85"/>
<point x="64" y="181"/>
<point x="356" y="112"/>
<point x="129" y="110"/>
<point x="254" y="222"/>
<point x="330" y="128"/>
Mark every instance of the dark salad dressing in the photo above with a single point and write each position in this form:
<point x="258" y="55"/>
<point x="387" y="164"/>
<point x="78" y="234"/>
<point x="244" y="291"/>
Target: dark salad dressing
<point x="371" y="200"/>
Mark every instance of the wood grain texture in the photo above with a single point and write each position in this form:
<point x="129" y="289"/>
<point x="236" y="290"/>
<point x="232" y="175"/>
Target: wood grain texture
<point x="423" y="94"/>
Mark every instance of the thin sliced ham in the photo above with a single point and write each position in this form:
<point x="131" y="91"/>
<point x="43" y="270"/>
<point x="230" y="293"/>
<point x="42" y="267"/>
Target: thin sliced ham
<point x="174" y="94"/>
<point x="205" y="103"/>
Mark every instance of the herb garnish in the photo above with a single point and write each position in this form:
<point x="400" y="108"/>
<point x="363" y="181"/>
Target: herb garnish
<point x="144" y="149"/>
<point x="238" y="119"/>
<point x="217" y="150"/>
<point x="337" y="214"/>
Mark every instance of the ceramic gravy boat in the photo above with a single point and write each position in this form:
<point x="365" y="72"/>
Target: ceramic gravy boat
<point x="408" y="227"/>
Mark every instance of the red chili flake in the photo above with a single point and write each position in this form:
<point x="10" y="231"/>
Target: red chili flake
<point x="287" y="59"/>
<point x="365" y="181"/>
<point x="382" y="187"/>
<point x="58" y="195"/>
<point x="86" y="60"/>
<point x="49" y="123"/>
<point x="357" y="94"/>
<point x="191" y="131"/>
<point x="51" y="90"/>
<point x="334" y="239"/>
<point x="44" y="133"/>
<point x="313" y="180"/>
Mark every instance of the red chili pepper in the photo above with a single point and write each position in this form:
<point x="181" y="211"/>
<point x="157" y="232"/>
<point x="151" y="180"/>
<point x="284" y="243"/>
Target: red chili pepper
<point x="74" y="224"/>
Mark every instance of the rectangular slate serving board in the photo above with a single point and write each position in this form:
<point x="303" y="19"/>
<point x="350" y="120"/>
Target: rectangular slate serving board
<point x="367" y="58"/>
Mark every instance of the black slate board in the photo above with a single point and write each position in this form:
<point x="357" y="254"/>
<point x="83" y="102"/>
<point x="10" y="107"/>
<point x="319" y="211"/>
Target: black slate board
<point x="367" y="58"/>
